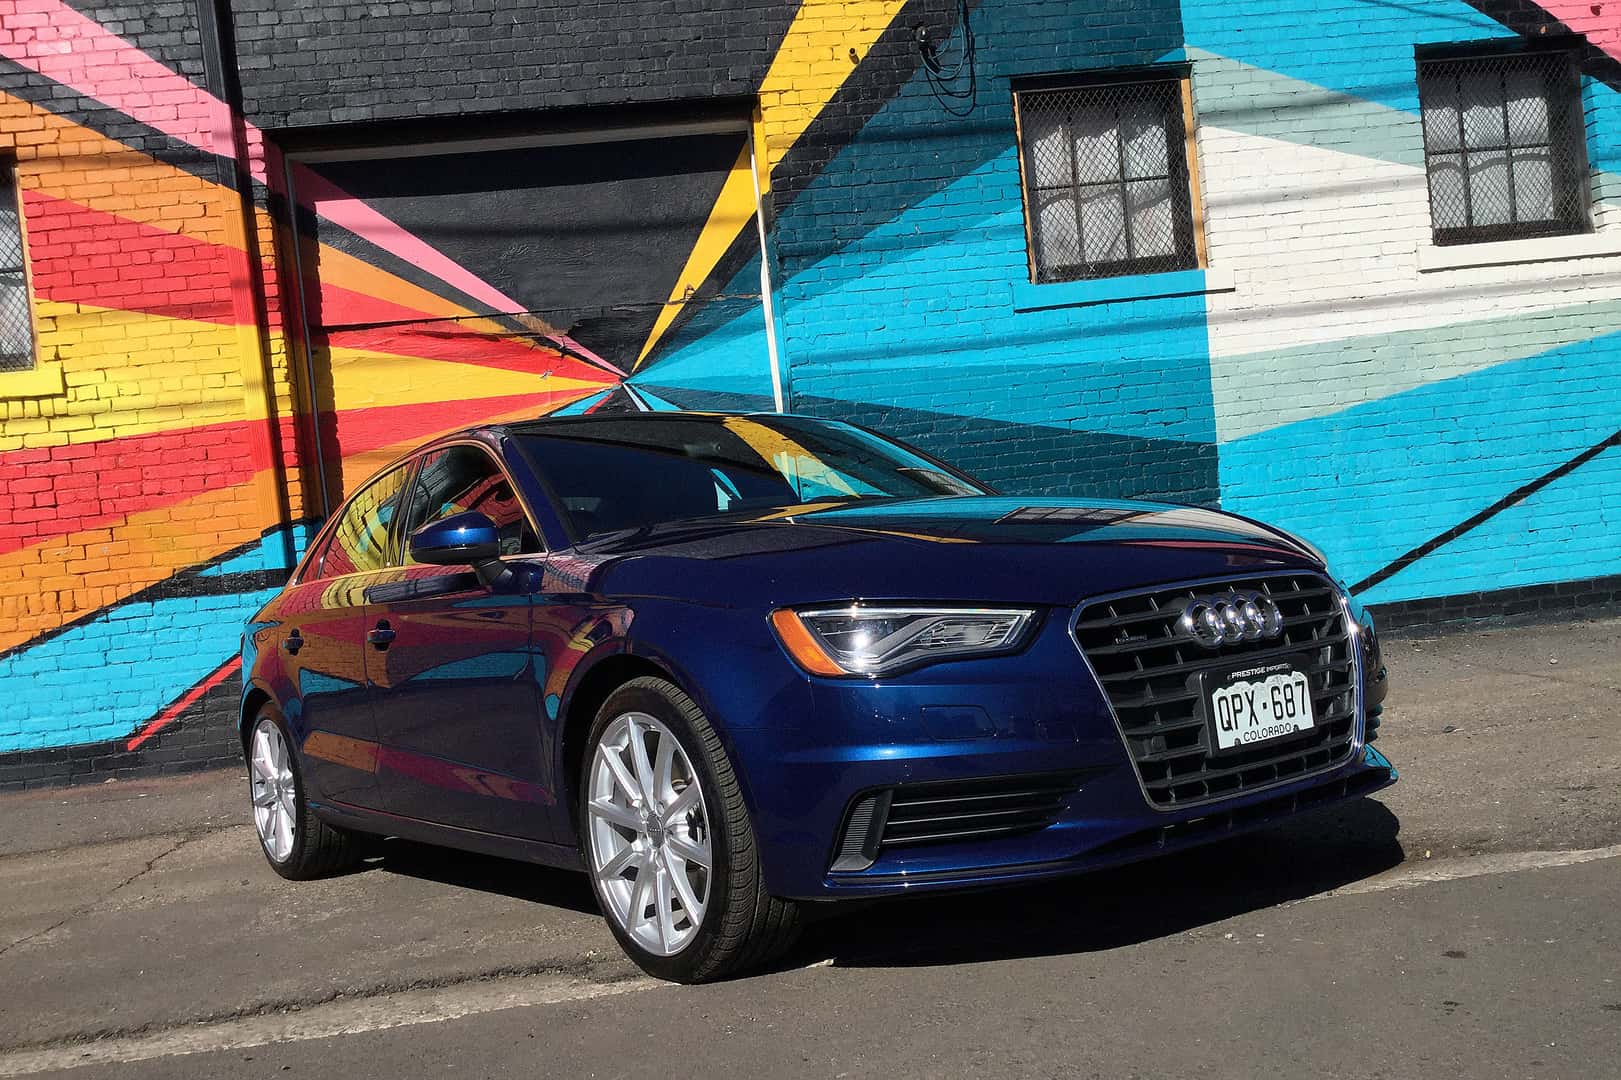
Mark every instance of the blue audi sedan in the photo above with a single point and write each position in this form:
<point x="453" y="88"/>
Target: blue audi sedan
<point x="733" y="665"/>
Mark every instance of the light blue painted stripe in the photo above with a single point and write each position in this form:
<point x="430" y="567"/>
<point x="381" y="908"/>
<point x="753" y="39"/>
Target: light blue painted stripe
<point x="1567" y="531"/>
<point x="1369" y="483"/>
<point x="1032" y="297"/>
<point x="270" y="553"/>
<point x="104" y="678"/>
<point x="879" y="324"/>
<point x="583" y="405"/>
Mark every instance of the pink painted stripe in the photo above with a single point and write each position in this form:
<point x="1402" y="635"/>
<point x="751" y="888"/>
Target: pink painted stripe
<point x="1600" y="20"/>
<point x="58" y="42"/>
<point x="51" y="38"/>
<point x="185" y="701"/>
<point x="347" y="212"/>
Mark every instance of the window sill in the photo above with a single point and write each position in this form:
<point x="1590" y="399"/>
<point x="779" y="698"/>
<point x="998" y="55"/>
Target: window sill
<point x="1118" y="290"/>
<point x="1511" y="252"/>
<point x="42" y="380"/>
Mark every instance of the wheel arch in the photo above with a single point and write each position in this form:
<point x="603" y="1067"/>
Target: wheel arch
<point x="592" y="687"/>
<point x="254" y="698"/>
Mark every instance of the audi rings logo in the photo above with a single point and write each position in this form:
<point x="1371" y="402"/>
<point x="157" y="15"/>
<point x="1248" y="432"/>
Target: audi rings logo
<point x="1214" y="621"/>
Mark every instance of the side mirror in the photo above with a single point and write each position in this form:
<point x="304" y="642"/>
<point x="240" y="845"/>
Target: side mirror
<point x="466" y="539"/>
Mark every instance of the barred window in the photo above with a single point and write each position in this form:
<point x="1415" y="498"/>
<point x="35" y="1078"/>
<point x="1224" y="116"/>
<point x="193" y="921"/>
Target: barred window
<point x="1504" y="146"/>
<point x="16" y="322"/>
<point x="1106" y="179"/>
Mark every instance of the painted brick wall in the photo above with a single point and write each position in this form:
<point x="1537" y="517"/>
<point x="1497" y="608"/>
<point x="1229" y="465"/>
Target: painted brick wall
<point x="902" y="272"/>
<point x="131" y="457"/>
<point x="1439" y="430"/>
<point x="1357" y="379"/>
<point x="416" y="58"/>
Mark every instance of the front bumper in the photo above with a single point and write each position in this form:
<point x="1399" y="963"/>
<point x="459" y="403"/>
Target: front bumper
<point x="1037" y="714"/>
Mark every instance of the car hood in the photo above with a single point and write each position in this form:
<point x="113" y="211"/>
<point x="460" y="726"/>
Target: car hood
<point x="1002" y="548"/>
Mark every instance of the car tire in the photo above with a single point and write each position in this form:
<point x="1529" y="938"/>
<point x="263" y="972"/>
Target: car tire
<point x="297" y="843"/>
<point x="740" y="924"/>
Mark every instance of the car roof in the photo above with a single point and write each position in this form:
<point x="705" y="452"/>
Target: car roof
<point x="543" y="424"/>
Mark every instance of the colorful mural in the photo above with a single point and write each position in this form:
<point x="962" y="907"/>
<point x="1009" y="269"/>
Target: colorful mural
<point x="234" y="328"/>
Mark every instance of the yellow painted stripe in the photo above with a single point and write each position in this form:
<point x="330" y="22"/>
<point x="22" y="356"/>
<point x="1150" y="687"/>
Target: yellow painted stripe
<point x="733" y="212"/>
<point x="367" y="380"/>
<point x="149" y="373"/>
<point x="142" y="550"/>
<point x="356" y="468"/>
<point x="811" y="64"/>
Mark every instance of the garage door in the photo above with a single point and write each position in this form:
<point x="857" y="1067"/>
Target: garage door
<point x="457" y="283"/>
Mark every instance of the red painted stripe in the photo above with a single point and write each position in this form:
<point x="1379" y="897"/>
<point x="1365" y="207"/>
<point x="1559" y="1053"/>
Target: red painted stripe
<point x="359" y="430"/>
<point x="81" y="255"/>
<point x="442" y="339"/>
<point x="49" y="493"/>
<point x="185" y="701"/>
<point x="46" y="493"/>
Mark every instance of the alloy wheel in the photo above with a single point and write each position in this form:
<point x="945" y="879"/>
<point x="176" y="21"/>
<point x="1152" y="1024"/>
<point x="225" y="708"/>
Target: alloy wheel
<point x="275" y="791"/>
<point x="649" y="834"/>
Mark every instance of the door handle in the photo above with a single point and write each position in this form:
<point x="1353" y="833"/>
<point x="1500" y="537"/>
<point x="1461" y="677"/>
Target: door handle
<point x="382" y="636"/>
<point x="293" y="642"/>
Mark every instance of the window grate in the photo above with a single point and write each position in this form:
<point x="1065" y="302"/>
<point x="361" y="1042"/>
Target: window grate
<point x="16" y="322"/>
<point x="1106" y="180"/>
<point x="1504" y="146"/>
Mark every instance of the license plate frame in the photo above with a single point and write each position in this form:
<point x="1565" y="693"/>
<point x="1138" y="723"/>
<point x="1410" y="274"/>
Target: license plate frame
<point x="1253" y="681"/>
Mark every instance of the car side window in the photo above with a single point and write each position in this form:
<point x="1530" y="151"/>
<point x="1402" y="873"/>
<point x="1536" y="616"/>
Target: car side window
<point x="360" y="541"/>
<point x="462" y="478"/>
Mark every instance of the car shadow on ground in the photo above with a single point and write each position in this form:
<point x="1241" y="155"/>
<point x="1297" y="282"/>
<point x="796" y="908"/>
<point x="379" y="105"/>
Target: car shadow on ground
<point x="466" y="870"/>
<point x="1107" y="909"/>
<point x="1114" y="908"/>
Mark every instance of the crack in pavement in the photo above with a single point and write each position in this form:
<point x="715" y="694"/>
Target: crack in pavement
<point x="590" y="968"/>
<point x="195" y="832"/>
<point x="85" y="909"/>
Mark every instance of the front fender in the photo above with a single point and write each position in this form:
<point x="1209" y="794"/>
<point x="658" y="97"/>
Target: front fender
<point x="727" y="659"/>
<point x="724" y="658"/>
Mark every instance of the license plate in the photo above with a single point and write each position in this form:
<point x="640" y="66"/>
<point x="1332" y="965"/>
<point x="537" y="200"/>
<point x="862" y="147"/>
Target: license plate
<point x="1258" y="704"/>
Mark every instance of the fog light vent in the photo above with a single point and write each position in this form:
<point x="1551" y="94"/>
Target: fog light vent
<point x="863" y="831"/>
<point x="951" y="811"/>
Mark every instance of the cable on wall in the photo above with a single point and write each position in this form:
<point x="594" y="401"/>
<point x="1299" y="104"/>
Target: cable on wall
<point x="953" y="82"/>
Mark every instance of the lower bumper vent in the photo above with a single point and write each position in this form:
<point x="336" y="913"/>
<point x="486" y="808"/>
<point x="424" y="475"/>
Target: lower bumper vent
<point x="949" y="811"/>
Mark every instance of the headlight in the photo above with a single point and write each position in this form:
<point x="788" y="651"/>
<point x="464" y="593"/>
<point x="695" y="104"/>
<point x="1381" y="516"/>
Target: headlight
<point x="856" y="640"/>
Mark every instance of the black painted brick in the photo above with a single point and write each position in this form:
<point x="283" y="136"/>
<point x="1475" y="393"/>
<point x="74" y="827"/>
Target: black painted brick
<point x="309" y="64"/>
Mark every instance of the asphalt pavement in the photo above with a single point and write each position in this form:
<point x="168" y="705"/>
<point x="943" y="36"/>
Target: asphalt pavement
<point x="1466" y="922"/>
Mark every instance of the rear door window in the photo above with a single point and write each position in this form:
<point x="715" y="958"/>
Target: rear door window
<point x="360" y="541"/>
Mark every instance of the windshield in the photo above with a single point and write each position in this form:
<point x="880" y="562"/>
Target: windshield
<point x="617" y="474"/>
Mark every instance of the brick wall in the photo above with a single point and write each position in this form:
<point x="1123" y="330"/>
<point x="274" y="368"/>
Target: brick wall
<point x="131" y="456"/>
<point x="1438" y="426"/>
<point x="414" y="58"/>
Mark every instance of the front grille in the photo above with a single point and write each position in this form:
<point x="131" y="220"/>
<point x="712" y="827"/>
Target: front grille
<point x="1151" y="676"/>
<point x="947" y="811"/>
